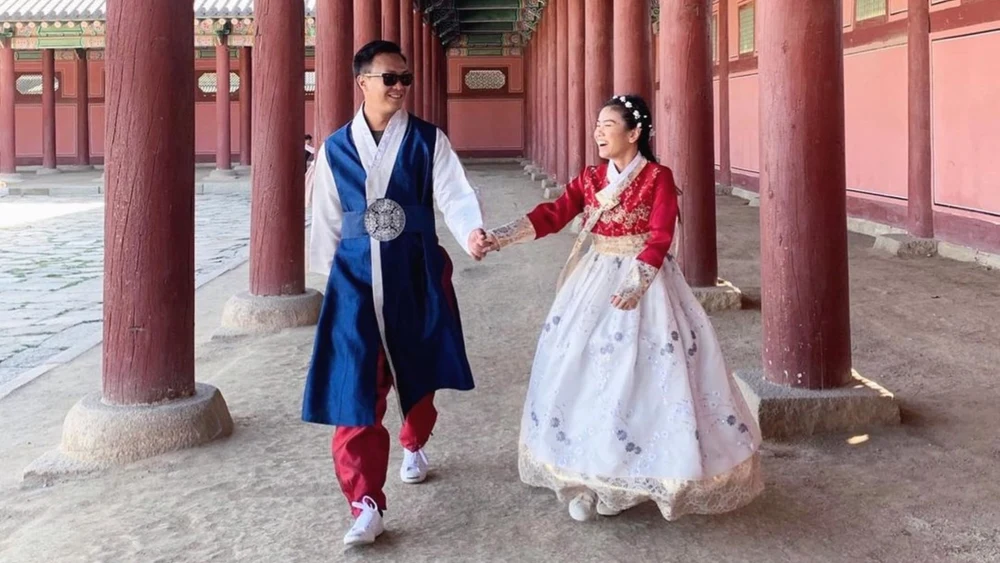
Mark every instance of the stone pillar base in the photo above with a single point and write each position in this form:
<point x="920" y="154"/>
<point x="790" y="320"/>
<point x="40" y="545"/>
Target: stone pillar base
<point x="233" y="185"/>
<point x="553" y="192"/>
<point x="246" y="314"/>
<point x="723" y="297"/>
<point x="97" y="436"/>
<point x="539" y="175"/>
<point x="549" y="183"/>
<point x="11" y="178"/>
<point x="79" y="168"/>
<point x="906" y="246"/>
<point x="220" y="174"/>
<point x="786" y="412"/>
<point x="48" y="171"/>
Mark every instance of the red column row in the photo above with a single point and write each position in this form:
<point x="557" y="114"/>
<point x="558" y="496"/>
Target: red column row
<point x="8" y="94"/>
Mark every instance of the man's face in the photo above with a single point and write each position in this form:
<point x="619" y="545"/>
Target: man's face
<point x="378" y="96"/>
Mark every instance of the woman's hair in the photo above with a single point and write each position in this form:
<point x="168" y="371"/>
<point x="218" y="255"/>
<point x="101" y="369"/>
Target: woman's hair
<point x="635" y="111"/>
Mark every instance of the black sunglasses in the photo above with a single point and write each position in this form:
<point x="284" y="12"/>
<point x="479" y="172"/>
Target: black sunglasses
<point x="391" y="78"/>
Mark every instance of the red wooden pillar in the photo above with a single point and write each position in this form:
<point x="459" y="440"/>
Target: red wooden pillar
<point x="685" y="120"/>
<point x="725" y="150"/>
<point x="277" y="236"/>
<point x="417" y="64"/>
<point x="545" y="147"/>
<point x="246" y="106"/>
<point x="223" y="113"/>
<point x="562" y="90"/>
<point x="390" y="20"/>
<point x="82" y="109"/>
<point x="8" y="90"/>
<point x="920" y="201"/>
<point x="552" y="98"/>
<point x="48" y="112"/>
<point x="435" y="83"/>
<point x="579" y="119"/>
<point x="597" y="66"/>
<point x="804" y="268"/>
<point x="633" y="48"/>
<point x="148" y="353"/>
<point x="443" y="81"/>
<point x="406" y="44"/>
<point x="367" y="28"/>
<point x="529" y="102"/>
<point x="427" y="83"/>
<point x="334" y="61"/>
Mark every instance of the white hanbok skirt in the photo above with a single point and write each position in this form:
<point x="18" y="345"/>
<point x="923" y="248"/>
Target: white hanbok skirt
<point x="636" y="406"/>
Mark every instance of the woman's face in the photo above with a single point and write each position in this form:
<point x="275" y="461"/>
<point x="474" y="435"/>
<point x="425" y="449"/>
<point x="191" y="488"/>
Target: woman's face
<point x="613" y="138"/>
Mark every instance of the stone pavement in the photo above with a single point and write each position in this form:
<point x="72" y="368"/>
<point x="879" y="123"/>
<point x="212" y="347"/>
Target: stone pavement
<point x="922" y="492"/>
<point x="51" y="272"/>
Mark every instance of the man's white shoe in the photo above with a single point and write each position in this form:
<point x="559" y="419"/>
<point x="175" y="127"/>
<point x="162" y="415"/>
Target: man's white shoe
<point x="367" y="526"/>
<point x="414" y="468"/>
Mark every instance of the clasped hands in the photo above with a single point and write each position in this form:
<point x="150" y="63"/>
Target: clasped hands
<point x="626" y="298"/>
<point x="481" y="243"/>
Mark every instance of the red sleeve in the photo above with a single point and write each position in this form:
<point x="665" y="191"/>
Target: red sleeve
<point x="662" y="220"/>
<point x="550" y="217"/>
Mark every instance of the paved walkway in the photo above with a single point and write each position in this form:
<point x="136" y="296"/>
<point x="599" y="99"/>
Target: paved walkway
<point x="923" y="492"/>
<point x="51" y="272"/>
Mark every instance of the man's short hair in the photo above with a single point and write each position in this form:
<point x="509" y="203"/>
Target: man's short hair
<point x="364" y="57"/>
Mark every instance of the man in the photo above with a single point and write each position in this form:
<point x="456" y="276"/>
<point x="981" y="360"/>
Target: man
<point x="310" y="150"/>
<point x="390" y="318"/>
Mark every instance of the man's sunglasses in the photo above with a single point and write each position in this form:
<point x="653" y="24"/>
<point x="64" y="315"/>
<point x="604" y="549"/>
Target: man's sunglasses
<point x="391" y="78"/>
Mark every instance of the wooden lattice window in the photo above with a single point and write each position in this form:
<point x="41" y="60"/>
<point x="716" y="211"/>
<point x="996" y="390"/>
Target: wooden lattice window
<point x="485" y="80"/>
<point x="747" y="39"/>
<point x="208" y="83"/>
<point x="869" y="9"/>
<point x="31" y="84"/>
<point x="714" y="37"/>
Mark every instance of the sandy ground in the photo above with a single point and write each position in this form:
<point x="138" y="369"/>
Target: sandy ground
<point x="926" y="491"/>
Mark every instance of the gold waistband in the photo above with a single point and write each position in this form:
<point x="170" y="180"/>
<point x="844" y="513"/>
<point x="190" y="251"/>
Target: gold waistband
<point x="630" y="245"/>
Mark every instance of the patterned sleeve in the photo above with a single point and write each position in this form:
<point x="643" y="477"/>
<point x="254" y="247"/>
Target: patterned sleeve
<point x="551" y="217"/>
<point x="662" y="221"/>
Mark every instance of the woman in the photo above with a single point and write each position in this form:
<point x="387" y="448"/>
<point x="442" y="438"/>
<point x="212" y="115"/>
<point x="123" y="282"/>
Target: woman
<point x="630" y="399"/>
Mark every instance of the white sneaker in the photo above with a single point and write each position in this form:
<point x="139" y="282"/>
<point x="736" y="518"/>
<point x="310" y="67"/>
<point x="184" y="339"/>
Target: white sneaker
<point x="581" y="508"/>
<point x="367" y="526"/>
<point x="605" y="510"/>
<point x="415" y="466"/>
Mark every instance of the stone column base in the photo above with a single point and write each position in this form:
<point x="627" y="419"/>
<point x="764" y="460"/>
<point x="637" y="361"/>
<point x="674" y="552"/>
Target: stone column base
<point x="906" y="246"/>
<point x="11" y="178"/>
<point x="220" y="174"/>
<point x="723" y="297"/>
<point x="78" y="168"/>
<point x="97" y="436"/>
<point x="48" y="171"/>
<point x="553" y="192"/>
<point x="246" y="314"/>
<point x="786" y="412"/>
<point x="233" y="185"/>
<point x="539" y="175"/>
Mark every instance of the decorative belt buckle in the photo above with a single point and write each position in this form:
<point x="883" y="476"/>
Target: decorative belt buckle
<point x="384" y="220"/>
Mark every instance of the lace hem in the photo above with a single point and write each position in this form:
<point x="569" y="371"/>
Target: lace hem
<point x="674" y="497"/>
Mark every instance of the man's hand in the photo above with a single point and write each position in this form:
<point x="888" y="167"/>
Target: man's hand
<point x="479" y="244"/>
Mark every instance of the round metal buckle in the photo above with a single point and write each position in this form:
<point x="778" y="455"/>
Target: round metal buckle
<point x="384" y="220"/>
